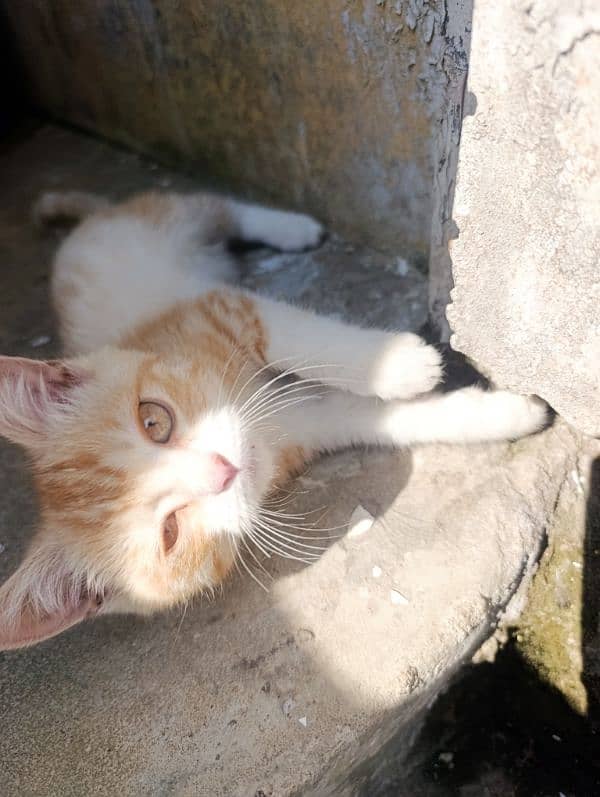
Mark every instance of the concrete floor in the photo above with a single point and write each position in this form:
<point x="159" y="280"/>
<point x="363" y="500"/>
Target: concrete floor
<point x="211" y="703"/>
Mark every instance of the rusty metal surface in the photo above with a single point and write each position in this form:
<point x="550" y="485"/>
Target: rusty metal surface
<point x="326" y="106"/>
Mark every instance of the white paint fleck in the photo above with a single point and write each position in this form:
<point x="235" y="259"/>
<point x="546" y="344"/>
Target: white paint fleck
<point x="399" y="267"/>
<point x="428" y="27"/>
<point x="288" y="706"/>
<point x="577" y="480"/>
<point x="40" y="340"/>
<point x="360" y="522"/>
<point x="303" y="721"/>
<point x="349" y="31"/>
<point x="376" y="571"/>
<point x="577" y="565"/>
<point x="273" y="263"/>
<point x="397" y="598"/>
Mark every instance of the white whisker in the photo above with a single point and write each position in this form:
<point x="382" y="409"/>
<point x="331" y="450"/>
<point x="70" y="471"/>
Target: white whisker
<point x="288" y="553"/>
<point x="293" y="540"/>
<point x="248" y="569"/>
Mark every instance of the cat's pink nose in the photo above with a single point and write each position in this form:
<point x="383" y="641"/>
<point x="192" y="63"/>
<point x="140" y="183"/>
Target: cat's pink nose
<point x="222" y="473"/>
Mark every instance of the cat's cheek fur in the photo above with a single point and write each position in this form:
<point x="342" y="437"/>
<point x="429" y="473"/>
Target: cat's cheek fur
<point x="166" y="581"/>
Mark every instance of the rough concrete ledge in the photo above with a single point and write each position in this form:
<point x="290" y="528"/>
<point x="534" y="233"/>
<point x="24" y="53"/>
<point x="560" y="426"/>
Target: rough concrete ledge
<point x="277" y="691"/>
<point x="315" y="686"/>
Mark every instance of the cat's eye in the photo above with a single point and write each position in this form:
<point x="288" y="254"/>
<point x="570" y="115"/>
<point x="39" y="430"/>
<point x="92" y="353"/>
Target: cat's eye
<point x="157" y="421"/>
<point x="170" y="532"/>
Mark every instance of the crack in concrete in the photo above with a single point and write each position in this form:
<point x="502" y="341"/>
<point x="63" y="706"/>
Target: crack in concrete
<point x="576" y="40"/>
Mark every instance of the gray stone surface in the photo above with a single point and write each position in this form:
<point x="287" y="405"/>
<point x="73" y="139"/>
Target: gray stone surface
<point x="299" y="689"/>
<point x="525" y="306"/>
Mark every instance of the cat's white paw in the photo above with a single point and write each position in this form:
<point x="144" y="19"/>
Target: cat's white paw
<point x="497" y="414"/>
<point x="293" y="232"/>
<point x="406" y="367"/>
<point x="518" y="416"/>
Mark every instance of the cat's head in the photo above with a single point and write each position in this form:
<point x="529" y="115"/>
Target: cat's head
<point x="146" y="476"/>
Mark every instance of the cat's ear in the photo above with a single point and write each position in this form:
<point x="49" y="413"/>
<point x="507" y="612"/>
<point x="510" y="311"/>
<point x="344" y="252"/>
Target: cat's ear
<point x="42" y="599"/>
<point x="31" y="393"/>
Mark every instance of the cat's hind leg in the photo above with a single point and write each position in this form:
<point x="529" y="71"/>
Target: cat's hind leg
<point x="284" y="230"/>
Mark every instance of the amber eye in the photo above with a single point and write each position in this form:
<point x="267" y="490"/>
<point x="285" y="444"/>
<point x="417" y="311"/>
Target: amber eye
<point x="170" y="532"/>
<point x="157" y="421"/>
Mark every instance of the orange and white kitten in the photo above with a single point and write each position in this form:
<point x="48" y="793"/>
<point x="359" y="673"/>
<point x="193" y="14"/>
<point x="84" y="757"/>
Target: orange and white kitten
<point x="184" y="402"/>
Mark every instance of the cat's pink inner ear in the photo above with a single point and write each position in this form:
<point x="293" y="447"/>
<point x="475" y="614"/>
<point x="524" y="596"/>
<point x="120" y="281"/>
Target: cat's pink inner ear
<point x="30" y="390"/>
<point x="29" y="615"/>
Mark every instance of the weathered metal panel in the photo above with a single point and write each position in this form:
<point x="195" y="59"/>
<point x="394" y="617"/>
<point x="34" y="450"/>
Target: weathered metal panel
<point x="327" y="105"/>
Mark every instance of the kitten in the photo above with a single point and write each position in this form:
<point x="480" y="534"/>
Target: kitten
<point x="184" y="402"/>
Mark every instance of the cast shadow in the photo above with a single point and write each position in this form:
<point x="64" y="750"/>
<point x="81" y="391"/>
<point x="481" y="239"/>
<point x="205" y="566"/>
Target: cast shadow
<point x="590" y="617"/>
<point x="502" y="730"/>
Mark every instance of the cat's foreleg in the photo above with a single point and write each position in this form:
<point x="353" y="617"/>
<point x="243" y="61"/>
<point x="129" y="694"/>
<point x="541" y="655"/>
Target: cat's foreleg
<point x="470" y="415"/>
<point x="368" y="362"/>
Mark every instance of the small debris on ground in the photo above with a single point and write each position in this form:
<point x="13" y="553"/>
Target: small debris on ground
<point x="360" y="522"/>
<point x="446" y="758"/>
<point x="2" y="547"/>
<point x="376" y="572"/>
<point x="399" y="267"/>
<point x="40" y="340"/>
<point x="577" y="481"/>
<point x="303" y="721"/>
<point x="272" y="263"/>
<point x="287" y="707"/>
<point x="397" y="598"/>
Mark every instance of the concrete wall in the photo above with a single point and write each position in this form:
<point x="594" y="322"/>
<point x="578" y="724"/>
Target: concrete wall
<point x="330" y="106"/>
<point x="526" y="210"/>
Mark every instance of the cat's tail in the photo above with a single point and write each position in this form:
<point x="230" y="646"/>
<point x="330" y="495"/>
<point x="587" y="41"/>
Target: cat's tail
<point x="66" y="207"/>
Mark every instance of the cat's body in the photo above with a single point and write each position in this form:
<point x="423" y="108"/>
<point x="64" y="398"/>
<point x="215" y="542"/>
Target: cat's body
<point x="188" y="401"/>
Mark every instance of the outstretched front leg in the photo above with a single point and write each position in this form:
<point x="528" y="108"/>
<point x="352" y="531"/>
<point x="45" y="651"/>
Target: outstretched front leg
<point x="334" y="420"/>
<point x="368" y="362"/>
